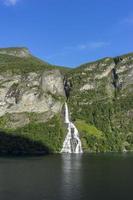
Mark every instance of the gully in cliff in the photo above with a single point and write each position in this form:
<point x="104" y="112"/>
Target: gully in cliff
<point x="67" y="87"/>
<point x="72" y="142"/>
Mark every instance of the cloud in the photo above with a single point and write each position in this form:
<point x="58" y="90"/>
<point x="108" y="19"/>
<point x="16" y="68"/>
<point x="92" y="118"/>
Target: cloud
<point x="81" y="47"/>
<point x="10" y="2"/>
<point x="88" y="46"/>
<point x="93" y="45"/>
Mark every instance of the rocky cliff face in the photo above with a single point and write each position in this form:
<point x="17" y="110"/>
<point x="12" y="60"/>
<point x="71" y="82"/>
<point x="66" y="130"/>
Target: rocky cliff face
<point x="18" y="52"/>
<point x="102" y="97"/>
<point x="31" y="93"/>
<point x="99" y="95"/>
<point x="31" y="100"/>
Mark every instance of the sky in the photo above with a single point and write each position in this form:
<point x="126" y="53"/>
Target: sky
<point x="68" y="32"/>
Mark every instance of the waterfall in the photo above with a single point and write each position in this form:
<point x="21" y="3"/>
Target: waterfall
<point x="72" y="143"/>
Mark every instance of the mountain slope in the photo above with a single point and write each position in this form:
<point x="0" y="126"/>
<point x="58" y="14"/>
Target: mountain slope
<point x="33" y="92"/>
<point x="102" y="95"/>
<point x="31" y="100"/>
<point x="20" y="60"/>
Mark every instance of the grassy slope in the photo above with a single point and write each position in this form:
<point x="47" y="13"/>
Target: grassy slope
<point x="49" y="135"/>
<point x="45" y="137"/>
<point x="25" y="65"/>
<point x="100" y="114"/>
<point x="104" y="107"/>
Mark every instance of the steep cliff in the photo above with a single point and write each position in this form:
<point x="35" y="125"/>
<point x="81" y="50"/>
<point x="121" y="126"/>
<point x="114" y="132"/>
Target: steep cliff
<point x="31" y="100"/>
<point x="33" y="92"/>
<point x="101" y="103"/>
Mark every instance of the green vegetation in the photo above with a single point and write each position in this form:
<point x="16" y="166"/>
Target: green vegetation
<point x="17" y="65"/>
<point x="107" y="108"/>
<point x="111" y="116"/>
<point x="21" y="65"/>
<point x="4" y="120"/>
<point x="103" y="114"/>
<point x="92" y="139"/>
<point x="50" y="134"/>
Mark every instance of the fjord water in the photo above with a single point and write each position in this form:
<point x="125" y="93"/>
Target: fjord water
<point x="72" y="143"/>
<point x="67" y="177"/>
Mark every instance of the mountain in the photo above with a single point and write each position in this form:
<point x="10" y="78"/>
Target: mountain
<point x="32" y="97"/>
<point x="102" y="98"/>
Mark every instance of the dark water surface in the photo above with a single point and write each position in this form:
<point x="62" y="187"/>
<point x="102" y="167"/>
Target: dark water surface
<point x="67" y="177"/>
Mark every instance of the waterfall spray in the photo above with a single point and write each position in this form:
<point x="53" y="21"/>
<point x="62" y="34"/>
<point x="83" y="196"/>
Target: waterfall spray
<point x="72" y="143"/>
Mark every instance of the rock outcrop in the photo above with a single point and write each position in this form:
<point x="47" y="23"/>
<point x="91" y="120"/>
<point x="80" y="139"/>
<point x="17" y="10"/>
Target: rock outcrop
<point x="18" y="52"/>
<point x="102" y="96"/>
<point x="99" y="95"/>
<point x="31" y="93"/>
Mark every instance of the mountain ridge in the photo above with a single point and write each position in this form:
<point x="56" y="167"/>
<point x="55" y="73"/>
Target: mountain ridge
<point x="7" y="51"/>
<point x="99" y="95"/>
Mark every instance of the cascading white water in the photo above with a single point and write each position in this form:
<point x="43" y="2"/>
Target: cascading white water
<point x="72" y="143"/>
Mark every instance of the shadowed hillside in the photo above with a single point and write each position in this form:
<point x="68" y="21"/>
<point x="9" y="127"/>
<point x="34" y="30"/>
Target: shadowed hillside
<point x="99" y="96"/>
